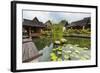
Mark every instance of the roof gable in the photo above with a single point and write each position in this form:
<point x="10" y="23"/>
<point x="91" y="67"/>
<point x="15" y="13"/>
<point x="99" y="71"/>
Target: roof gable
<point x="83" y="22"/>
<point x="33" y="23"/>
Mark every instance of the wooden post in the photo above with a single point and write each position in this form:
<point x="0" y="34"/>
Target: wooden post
<point x="30" y="34"/>
<point x="83" y="27"/>
<point x="71" y="27"/>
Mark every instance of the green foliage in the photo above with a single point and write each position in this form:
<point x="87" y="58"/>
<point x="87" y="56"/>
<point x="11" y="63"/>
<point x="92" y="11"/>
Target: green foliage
<point x="70" y="52"/>
<point x="56" y="54"/>
<point x="57" y="32"/>
<point x="42" y="42"/>
<point x="47" y="33"/>
<point x="74" y="52"/>
<point x="85" y="31"/>
<point x="64" y="23"/>
<point x="78" y="31"/>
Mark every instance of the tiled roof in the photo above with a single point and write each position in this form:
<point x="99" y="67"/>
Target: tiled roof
<point x="33" y="23"/>
<point x="84" y="22"/>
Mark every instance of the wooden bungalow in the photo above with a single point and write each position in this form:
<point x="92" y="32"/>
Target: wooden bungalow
<point x="81" y="24"/>
<point x="48" y="25"/>
<point x="32" y="28"/>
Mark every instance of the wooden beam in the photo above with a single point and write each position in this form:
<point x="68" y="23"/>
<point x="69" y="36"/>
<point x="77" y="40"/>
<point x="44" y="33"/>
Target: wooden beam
<point x="30" y="33"/>
<point x="83" y="27"/>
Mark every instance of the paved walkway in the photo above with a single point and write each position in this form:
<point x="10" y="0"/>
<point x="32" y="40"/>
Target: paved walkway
<point x="29" y="49"/>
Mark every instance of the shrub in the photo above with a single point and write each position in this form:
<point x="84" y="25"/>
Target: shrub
<point x="57" y="32"/>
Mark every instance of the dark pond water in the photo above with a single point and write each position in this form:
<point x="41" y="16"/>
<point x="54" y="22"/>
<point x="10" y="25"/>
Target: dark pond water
<point x="82" y="42"/>
<point x="45" y="41"/>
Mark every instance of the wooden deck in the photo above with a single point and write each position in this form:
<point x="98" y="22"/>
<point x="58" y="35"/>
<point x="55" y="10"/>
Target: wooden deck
<point x="29" y="50"/>
<point x="32" y="35"/>
<point x="35" y="34"/>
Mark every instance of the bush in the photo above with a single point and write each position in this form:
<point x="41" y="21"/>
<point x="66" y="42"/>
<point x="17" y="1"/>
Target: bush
<point x="77" y="31"/>
<point x="57" y="32"/>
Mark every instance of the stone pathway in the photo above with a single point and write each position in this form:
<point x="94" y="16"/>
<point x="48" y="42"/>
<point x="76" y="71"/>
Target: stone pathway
<point x="29" y="49"/>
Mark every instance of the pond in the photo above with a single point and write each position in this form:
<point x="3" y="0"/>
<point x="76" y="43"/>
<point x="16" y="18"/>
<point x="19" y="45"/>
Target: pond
<point x="82" y="42"/>
<point x="45" y="41"/>
<point x="42" y="42"/>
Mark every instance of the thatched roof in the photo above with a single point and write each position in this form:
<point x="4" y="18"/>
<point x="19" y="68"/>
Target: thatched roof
<point x="83" y="22"/>
<point x="33" y="23"/>
<point x="48" y="23"/>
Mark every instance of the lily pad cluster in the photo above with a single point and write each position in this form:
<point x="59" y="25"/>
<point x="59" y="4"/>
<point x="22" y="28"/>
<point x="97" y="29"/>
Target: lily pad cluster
<point x="70" y="52"/>
<point x="56" y="54"/>
<point x="74" y="52"/>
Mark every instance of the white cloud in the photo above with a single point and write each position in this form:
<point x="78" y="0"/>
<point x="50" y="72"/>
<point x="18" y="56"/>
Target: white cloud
<point x="42" y="16"/>
<point x="54" y="16"/>
<point x="75" y="16"/>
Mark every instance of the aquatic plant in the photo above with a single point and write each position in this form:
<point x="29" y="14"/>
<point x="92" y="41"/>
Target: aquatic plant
<point x="57" y="32"/>
<point x="70" y="52"/>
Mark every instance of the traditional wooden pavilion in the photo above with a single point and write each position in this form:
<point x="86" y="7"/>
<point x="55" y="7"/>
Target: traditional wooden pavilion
<point x="48" y="25"/>
<point x="81" y="24"/>
<point x="32" y="28"/>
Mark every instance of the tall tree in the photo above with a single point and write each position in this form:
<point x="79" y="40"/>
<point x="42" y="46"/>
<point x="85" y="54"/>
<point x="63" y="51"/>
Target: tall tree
<point x="64" y="22"/>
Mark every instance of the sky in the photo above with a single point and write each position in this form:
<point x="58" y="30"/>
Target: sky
<point x="55" y="17"/>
